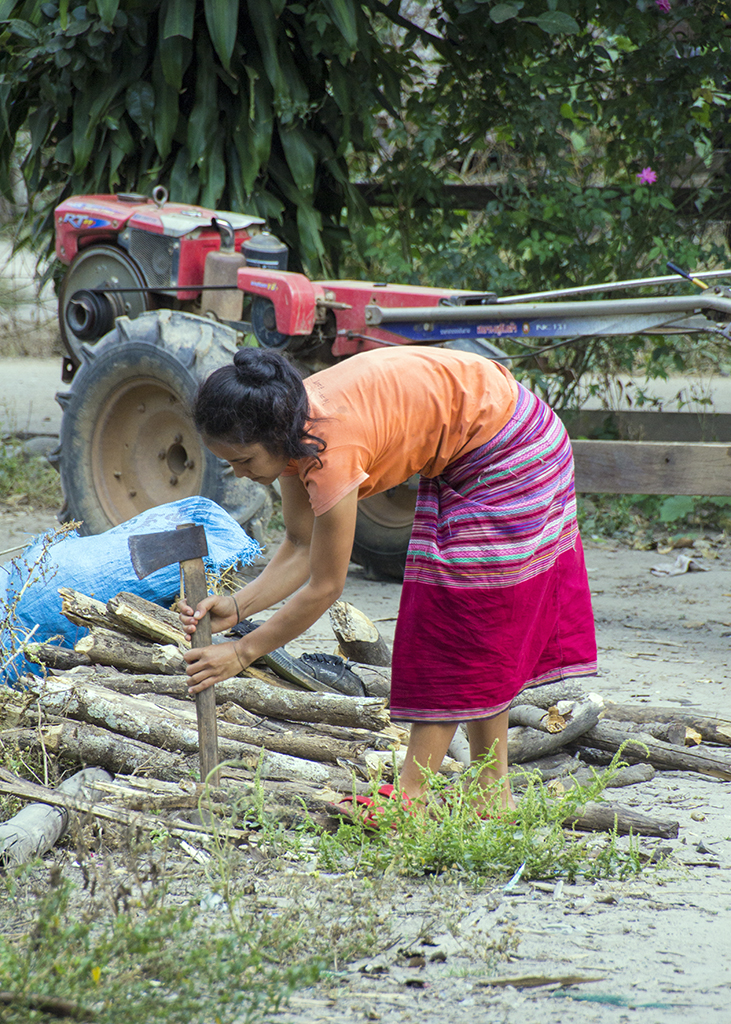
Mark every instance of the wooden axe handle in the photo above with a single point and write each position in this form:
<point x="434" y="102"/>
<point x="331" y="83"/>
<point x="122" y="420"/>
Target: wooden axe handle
<point x="193" y="575"/>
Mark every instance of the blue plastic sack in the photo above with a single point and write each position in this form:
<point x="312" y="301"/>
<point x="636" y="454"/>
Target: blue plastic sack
<point x="101" y="567"/>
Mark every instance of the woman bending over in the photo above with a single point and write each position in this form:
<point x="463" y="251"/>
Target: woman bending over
<point x="495" y="595"/>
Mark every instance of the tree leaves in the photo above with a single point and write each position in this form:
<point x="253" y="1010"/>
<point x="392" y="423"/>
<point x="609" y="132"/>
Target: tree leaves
<point x="107" y="10"/>
<point x="504" y="12"/>
<point x="555" y="23"/>
<point x="273" y="105"/>
<point x="176" y="18"/>
<point x="301" y="157"/>
<point x="222" y="21"/>
<point x="140" y="99"/>
<point x="344" y="14"/>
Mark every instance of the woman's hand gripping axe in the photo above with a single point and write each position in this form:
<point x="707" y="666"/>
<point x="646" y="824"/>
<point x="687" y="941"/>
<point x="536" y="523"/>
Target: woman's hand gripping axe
<point x="187" y="545"/>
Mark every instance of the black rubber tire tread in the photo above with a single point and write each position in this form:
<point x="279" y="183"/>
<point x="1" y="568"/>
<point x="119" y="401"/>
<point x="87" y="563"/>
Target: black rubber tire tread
<point x="381" y="549"/>
<point x="172" y="352"/>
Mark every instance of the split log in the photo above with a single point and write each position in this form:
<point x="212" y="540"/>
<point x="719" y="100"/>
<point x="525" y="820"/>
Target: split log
<point x="135" y="717"/>
<point x="270" y="767"/>
<point x="270" y="701"/>
<point x="105" y="647"/>
<point x="376" y="681"/>
<point x="82" y="743"/>
<point x="86" y="611"/>
<point x="282" y="767"/>
<point x="15" y="786"/>
<point x="604" y="817"/>
<point x="526" y="744"/>
<point x="712" y="730"/>
<point x="565" y="770"/>
<point x="358" y="638"/>
<point x="676" y="733"/>
<point x="606" y="736"/>
<point x="548" y="694"/>
<point x="237" y="715"/>
<point x="537" y="718"/>
<point x="53" y="656"/>
<point x="631" y="776"/>
<point x="37" y="827"/>
<point x="147" y="619"/>
<point x="553" y="766"/>
<point x="308" y="745"/>
<point x="139" y="794"/>
<point x="129" y="716"/>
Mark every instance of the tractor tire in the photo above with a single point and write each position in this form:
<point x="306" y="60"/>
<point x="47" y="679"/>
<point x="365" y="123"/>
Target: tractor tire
<point x="128" y="442"/>
<point x="383" y="530"/>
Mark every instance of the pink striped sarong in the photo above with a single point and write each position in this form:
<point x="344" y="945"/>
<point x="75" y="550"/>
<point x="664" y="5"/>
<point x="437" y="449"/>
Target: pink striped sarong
<point x="495" y="595"/>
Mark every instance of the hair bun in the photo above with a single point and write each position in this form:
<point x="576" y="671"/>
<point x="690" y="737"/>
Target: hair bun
<point x="255" y="367"/>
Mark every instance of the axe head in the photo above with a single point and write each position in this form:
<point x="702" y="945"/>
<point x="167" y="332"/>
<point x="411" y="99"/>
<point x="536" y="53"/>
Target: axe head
<point x="152" y="551"/>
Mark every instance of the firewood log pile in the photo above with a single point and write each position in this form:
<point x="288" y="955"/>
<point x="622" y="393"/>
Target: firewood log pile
<point x="119" y="703"/>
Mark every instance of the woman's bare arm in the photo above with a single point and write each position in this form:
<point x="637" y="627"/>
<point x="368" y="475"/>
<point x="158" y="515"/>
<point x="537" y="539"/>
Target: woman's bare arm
<point x="313" y="561"/>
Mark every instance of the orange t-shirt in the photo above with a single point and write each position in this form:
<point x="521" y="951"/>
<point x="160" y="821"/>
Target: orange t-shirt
<point x="389" y="413"/>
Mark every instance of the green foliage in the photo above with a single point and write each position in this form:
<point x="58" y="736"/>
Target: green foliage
<point x="559" y="112"/>
<point x="451" y="837"/>
<point x="272" y="106"/>
<point x="643" y="520"/>
<point x="163" y="963"/>
<point x="250" y="106"/>
<point x="28" y="480"/>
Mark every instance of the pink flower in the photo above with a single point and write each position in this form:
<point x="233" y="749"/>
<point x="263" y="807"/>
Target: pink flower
<point x="663" y="5"/>
<point x="646" y="176"/>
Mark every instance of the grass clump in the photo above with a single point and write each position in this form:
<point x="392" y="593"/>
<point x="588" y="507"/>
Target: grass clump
<point x="27" y="480"/>
<point x="450" y="837"/>
<point x="152" y="962"/>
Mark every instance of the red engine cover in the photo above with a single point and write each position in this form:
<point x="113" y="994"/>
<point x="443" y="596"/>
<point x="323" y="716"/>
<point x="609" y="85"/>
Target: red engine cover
<point x="85" y="220"/>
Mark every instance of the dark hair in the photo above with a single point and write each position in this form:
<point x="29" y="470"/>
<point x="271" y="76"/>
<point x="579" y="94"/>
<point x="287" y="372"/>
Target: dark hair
<point x="258" y="399"/>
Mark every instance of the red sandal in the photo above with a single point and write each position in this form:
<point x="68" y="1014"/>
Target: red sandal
<point x="371" y="818"/>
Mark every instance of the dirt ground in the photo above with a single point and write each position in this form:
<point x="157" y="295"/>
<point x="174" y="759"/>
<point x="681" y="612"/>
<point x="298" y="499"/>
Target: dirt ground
<point x="656" y="948"/>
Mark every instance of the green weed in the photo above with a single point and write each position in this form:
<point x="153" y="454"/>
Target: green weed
<point x="22" y="575"/>
<point x="28" y="481"/>
<point x="450" y="837"/>
<point x="161" y="963"/>
<point x="648" y="520"/>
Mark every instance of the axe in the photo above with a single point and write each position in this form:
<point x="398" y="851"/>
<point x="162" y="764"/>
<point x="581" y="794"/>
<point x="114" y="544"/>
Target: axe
<point x="187" y="545"/>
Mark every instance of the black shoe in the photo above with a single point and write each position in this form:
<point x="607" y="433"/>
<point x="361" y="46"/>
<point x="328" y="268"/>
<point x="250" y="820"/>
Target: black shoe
<point x="321" y="673"/>
<point x="336" y="672"/>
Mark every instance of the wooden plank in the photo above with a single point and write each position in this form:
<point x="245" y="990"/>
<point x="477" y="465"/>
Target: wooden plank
<point x="652" y="467"/>
<point x="636" y="425"/>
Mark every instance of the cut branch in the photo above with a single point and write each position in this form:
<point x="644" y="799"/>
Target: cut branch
<point x="604" y="817"/>
<point x="105" y="647"/>
<point x="147" y="619"/>
<point x="548" y="694"/>
<point x="526" y="744"/>
<point x="712" y="730"/>
<point x="271" y="701"/>
<point x="644" y="748"/>
<point x="357" y="636"/>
